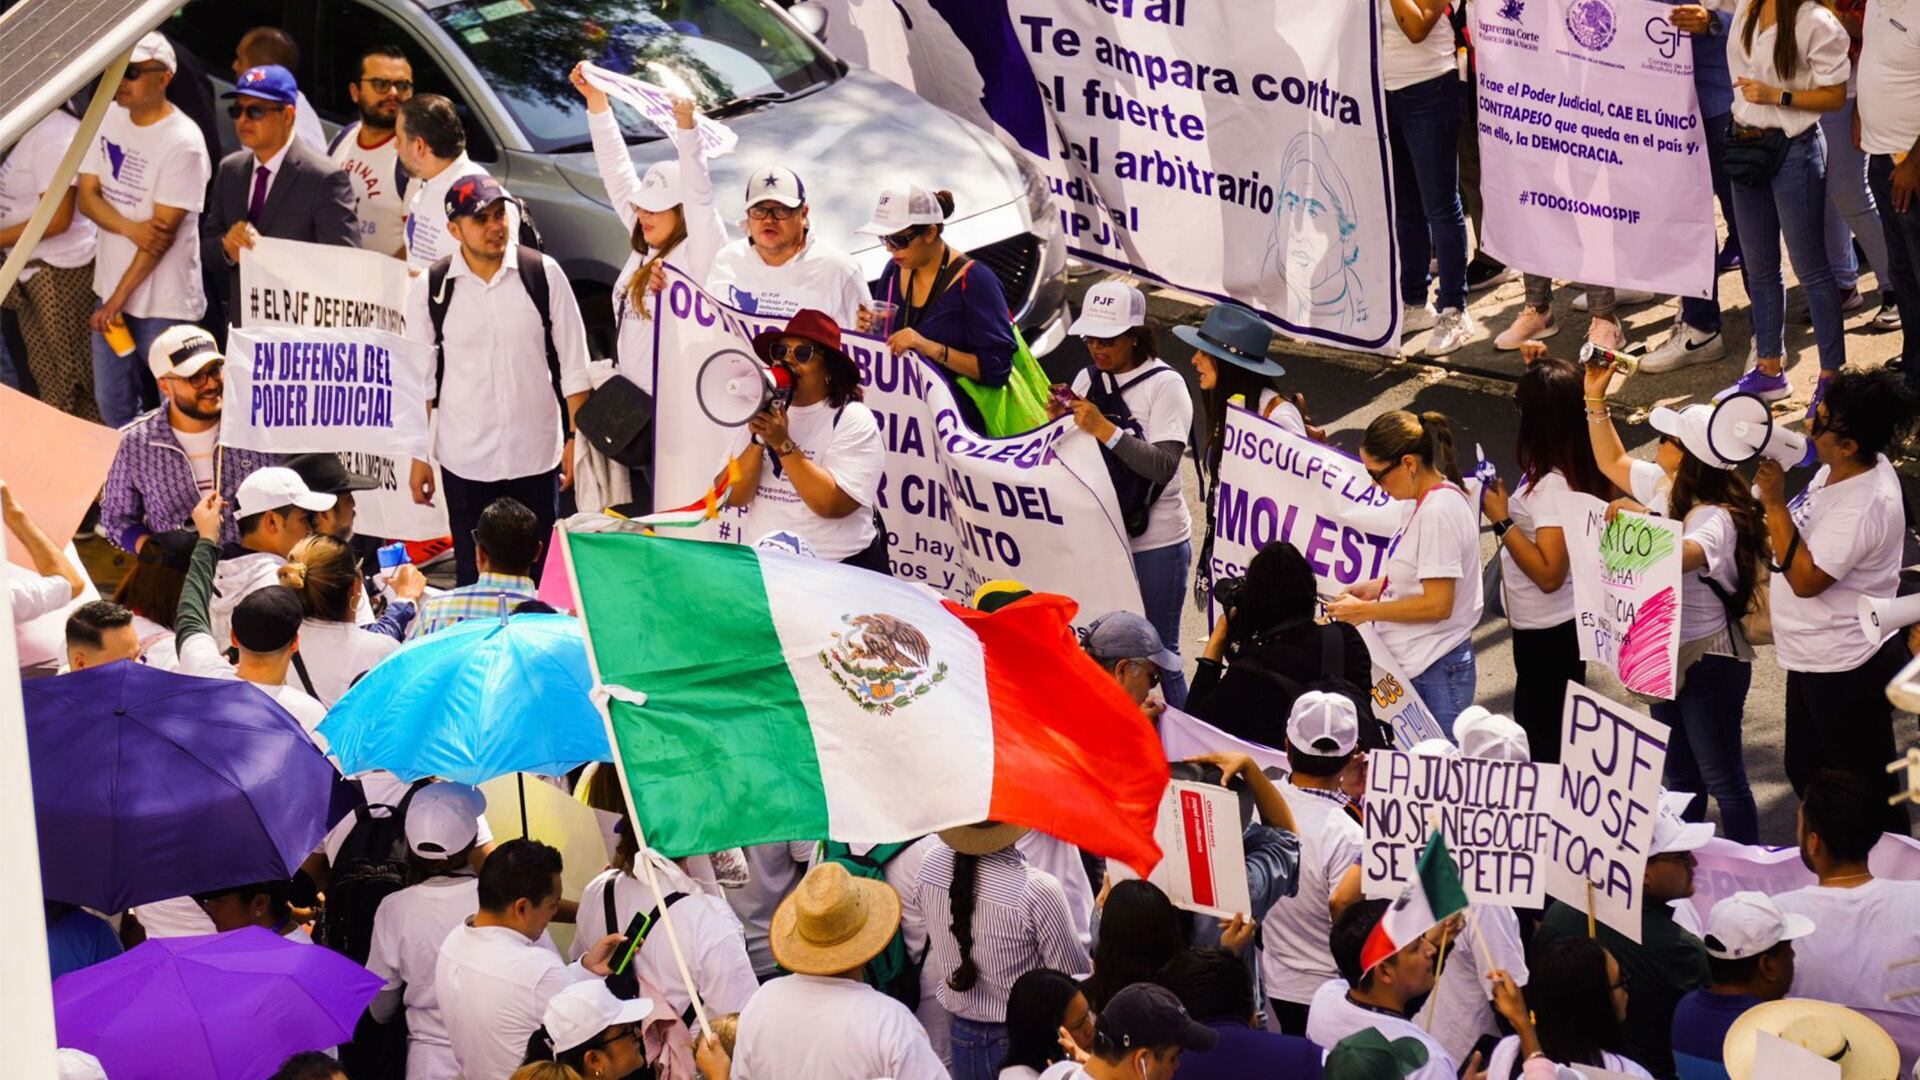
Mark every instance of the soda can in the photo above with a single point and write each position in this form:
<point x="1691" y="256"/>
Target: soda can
<point x="118" y="337"/>
<point x="1601" y="356"/>
<point x="393" y="555"/>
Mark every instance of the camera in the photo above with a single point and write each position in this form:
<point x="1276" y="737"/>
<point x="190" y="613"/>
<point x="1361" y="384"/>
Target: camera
<point x="1227" y="590"/>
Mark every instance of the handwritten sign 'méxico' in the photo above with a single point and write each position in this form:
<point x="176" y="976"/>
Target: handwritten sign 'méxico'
<point x="1493" y="814"/>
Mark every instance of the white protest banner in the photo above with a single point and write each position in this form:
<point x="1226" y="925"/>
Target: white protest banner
<point x="284" y="283"/>
<point x="1594" y="163"/>
<point x="293" y="390"/>
<point x="959" y="509"/>
<point x="1184" y="736"/>
<point x="1203" y="866"/>
<point x="1775" y="1058"/>
<point x="1601" y="830"/>
<point x="1242" y="158"/>
<point x="1395" y="701"/>
<point x="1626" y="592"/>
<point x="1493" y="813"/>
<point x="656" y="104"/>
<point x="1723" y="868"/>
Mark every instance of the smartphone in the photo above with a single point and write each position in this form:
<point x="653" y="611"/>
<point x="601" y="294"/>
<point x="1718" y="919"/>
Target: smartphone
<point x="636" y="937"/>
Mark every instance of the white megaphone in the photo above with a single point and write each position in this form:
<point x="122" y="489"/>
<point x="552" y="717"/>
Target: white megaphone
<point x="733" y="386"/>
<point x="1878" y="617"/>
<point x="1742" y="429"/>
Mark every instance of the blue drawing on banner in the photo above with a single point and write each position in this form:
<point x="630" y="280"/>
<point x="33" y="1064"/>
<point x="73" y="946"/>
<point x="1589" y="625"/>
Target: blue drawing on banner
<point x="1591" y="23"/>
<point x="745" y="301"/>
<point x="1510" y="9"/>
<point x="1315" y="242"/>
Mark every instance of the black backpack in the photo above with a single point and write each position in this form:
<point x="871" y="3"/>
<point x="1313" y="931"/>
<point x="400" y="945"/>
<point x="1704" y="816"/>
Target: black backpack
<point x="1332" y="679"/>
<point x="370" y="866"/>
<point x="1136" y="494"/>
<point x="629" y="977"/>
<point x="533" y="277"/>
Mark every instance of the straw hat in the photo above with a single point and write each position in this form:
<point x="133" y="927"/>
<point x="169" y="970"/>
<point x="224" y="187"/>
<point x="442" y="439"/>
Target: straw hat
<point x="1834" y="1032"/>
<point x="982" y="838"/>
<point x="833" y="922"/>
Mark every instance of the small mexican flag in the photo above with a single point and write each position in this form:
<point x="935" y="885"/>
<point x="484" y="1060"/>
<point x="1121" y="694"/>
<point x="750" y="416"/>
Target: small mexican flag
<point x="1434" y="893"/>
<point x="759" y="696"/>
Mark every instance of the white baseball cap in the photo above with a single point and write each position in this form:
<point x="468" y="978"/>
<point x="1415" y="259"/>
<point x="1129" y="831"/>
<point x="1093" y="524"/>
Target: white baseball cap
<point x="1323" y="724"/>
<point x="1689" y="425"/>
<point x="1110" y="309"/>
<point x="1438" y="746"/>
<point x="78" y="1064"/>
<point x="1484" y="734"/>
<point x="443" y="819"/>
<point x="274" y="487"/>
<point x="902" y="207"/>
<point x="182" y="351"/>
<point x="659" y="189"/>
<point x="1748" y="924"/>
<point x="578" y="1014"/>
<point x="776" y="184"/>
<point x="155" y="46"/>
<point x="1673" y="833"/>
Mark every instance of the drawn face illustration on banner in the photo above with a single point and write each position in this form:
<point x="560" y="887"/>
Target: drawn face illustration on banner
<point x="1315" y="241"/>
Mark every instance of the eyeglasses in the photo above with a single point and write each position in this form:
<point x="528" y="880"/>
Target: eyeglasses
<point x="630" y="1032"/>
<point x="254" y="112"/>
<point x="209" y="374"/>
<point x="403" y="87"/>
<point x="772" y="212"/>
<point x="1381" y="472"/>
<point x="800" y="354"/>
<point x="133" y="73"/>
<point x="899" y="241"/>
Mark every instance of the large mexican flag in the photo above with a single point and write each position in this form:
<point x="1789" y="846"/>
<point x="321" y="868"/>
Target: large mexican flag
<point x="758" y="696"/>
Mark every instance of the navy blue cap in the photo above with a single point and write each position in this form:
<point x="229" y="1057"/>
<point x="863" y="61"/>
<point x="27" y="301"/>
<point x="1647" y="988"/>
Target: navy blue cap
<point x="268" y="82"/>
<point x="472" y="194"/>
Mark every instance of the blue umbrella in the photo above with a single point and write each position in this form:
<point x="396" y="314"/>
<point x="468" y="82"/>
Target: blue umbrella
<point x="480" y="699"/>
<point x="217" y="1007"/>
<point x="148" y="784"/>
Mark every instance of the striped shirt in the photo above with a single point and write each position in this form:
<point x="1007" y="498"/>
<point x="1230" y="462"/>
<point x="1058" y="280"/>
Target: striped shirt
<point x="1020" y="922"/>
<point x="480" y="600"/>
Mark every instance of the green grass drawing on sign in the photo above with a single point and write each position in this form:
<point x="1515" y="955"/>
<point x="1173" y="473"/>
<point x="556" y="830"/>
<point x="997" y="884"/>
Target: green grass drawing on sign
<point x="1631" y="545"/>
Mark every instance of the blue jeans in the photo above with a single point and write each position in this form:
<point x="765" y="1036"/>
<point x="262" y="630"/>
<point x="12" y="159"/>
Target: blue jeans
<point x="978" y="1049"/>
<point x="1423" y="125"/>
<point x="1704" y="314"/>
<point x="117" y="385"/>
<point x="1447" y="684"/>
<point x="1851" y="213"/>
<point x="1703" y="748"/>
<point x="1162" y="573"/>
<point x="1902" y="272"/>
<point x="1793" y="206"/>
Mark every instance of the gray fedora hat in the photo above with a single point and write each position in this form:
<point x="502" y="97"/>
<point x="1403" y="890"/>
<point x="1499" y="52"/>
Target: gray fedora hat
<point x="1234" y="334"/>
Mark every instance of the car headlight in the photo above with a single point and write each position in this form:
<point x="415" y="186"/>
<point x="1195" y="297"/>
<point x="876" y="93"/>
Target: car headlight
<point x="1039" y="190"/>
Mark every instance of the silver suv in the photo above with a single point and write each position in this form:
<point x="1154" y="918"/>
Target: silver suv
<point x="504" y="63"/>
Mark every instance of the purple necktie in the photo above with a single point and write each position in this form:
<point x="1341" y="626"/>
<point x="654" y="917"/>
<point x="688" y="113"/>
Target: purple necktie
<point x="259" y="194"/>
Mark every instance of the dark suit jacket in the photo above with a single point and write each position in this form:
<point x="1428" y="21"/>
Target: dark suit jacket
<point x="310" y="200"/>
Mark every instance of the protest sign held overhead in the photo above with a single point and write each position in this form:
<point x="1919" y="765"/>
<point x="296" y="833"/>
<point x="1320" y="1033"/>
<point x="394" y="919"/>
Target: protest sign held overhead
<point x="1601" y="830"/>
<point x="1203" y="866"/>
<point x="295" y="390"/>
<point x="1593" y="153"/>
<point x="1186" y="736"/>
<point x="1626" y="589"/>
<point x="1494" y="815"/>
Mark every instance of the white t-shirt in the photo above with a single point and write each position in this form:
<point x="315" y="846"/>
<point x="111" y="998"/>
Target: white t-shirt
<point x="408" y="930"/>
<point x="306" y="124"/>
<point x="850" y="448"/>
<point x="199" y="446"/>
<point x="1702" y="615"/>
<point x="166" y="163"/>
<point x="337" y="653"/>
<point x="1889" y="74"/>
<point x="1404" y="63"/>
<point x="1440" y="540"/>
<point x="1295" y="958"/>
<point x="1505" y="1061"/>
<point x="1332" y="1017"/>
<point x="1282" y="412"/>
<point x="426" y="222"/>
<point x="709" y="933"/>
<point x="1823" y="46"/>
<point x="494" y="986"/>
<point x="819" y="277"/>
<point x="811" y="1027"/>
<point x="1534" y="507"/>
<point x="379" y="204"/>
<point x="1162" y="407"/>
<point x="1856" y="933"/>
<point x="27" y="173"/>
<point x="1854" y="531"/>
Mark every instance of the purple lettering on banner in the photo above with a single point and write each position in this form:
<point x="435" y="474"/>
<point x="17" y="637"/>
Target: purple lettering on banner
<point x="680" y="298"/>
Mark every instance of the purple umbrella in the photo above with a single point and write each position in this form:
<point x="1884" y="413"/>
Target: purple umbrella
<point x="220" y="1007"/>
<point x="149" y="785"/>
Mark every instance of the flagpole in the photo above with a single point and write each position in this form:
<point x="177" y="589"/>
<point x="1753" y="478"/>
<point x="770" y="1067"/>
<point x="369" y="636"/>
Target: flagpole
<point x="600" y="702"/>
<point x="1592" y="932"/>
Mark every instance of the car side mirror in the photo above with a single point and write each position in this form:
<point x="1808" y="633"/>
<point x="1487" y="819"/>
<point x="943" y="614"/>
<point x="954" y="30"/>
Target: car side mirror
<point x="811" y="17"/>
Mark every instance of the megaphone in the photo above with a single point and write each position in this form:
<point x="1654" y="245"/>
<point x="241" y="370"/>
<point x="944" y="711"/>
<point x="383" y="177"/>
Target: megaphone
<point x="1742" y="429"/>
<point x="1880" y="617"/>
<point x="734" y="386"/>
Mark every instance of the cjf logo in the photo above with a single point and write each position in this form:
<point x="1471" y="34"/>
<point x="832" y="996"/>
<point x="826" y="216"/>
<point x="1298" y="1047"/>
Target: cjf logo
<point x="1591" y="23"/>
<point x="1510" y="9"/>
<point x="1663" y="36"/>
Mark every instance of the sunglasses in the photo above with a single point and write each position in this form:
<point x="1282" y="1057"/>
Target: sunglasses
<point x="254" y="112"/>
<point x="898" y="241"/>
<point x="1381" y="472"/>
<point x="799" y="354"/>
<point x="390" y="86"/>
<point x="141" y="72"/>
<point x="1103" y="342"/>
<point x="604" y="1041"/>
<point x="774" y="212"/>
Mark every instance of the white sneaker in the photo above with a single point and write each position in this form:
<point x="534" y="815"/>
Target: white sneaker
<point x="1415" y="319"/>
<point x="1621" y="297"/>
<point x="1684" y="348"/>
<point x="1452" y="330"/>
<point x="1529" y="325"/>
<point x="1887" y="318"/>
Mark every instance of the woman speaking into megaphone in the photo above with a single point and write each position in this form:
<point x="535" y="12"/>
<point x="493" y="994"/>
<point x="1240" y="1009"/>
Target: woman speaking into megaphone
<point x="812" y="467"/>
<point x="1723" y="543"/>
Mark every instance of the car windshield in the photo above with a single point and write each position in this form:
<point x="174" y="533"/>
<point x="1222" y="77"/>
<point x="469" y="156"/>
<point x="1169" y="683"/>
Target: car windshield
<point x="718" y="51"/>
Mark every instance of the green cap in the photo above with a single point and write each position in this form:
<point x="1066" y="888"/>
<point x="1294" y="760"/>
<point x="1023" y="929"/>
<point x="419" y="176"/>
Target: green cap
<point x="1367" y="1055"/>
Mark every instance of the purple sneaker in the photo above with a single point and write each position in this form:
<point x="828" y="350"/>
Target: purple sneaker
<point x="1813" y="411"/>
<point x="1760" y="384"/>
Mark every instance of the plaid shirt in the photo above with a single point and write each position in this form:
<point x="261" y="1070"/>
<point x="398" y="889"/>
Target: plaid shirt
<point x="480" y="600"/>
<point x="150" y="487"/>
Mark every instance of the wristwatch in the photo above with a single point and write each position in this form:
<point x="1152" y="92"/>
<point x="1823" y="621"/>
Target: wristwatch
<point x="1786" y="99"/>
<point x="1500" y="527"/>
<point x="787" y="446"/>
